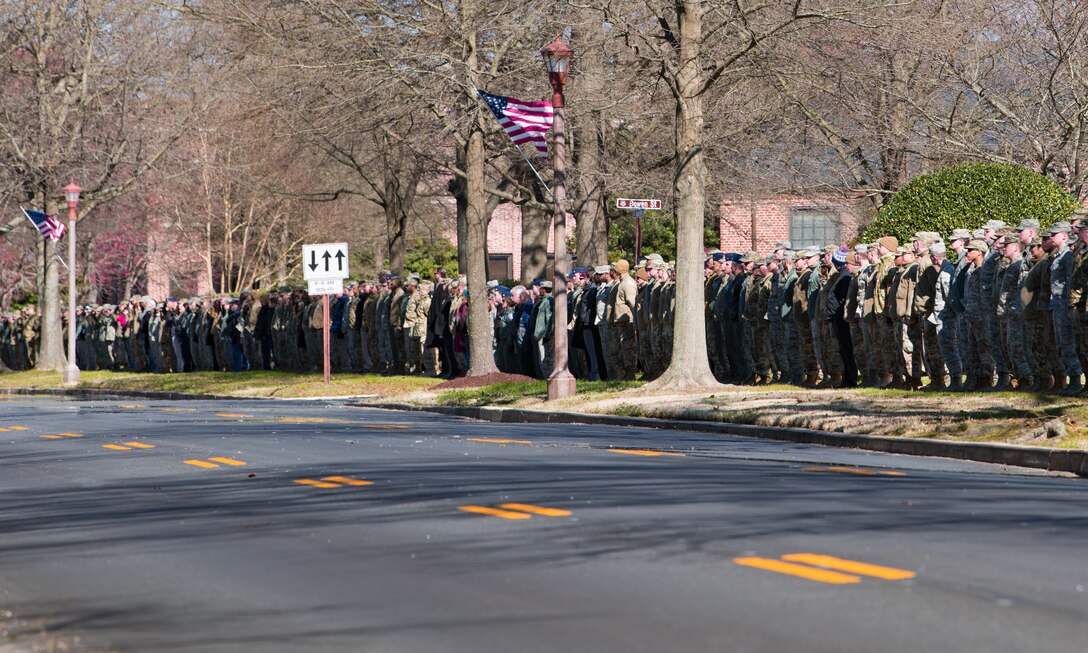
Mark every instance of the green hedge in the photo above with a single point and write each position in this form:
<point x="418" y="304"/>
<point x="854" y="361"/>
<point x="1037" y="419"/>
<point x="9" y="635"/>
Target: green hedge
<point x="966" y="196"/>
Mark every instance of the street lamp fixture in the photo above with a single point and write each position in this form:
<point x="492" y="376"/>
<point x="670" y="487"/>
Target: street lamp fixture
<point x="561" y="382"/>
<point x="71" y="370"/>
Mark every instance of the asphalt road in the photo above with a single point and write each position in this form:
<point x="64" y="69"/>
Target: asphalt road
<point x="140" y="525"/>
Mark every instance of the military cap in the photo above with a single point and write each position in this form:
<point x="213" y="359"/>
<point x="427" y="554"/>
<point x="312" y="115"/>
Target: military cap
<point x="502" y="289"/>
<point x="928" y="237"/>
<point x="890" y="243"/>
<point x="537" y="282"/>
<point x="978" y="234"/>
<point x="656" y="258"/>
<point x="1028" y="224"/>
<point x="581" y="270"/>
<point x="719" y="256"/>
<point x="993" y="224"/>
<point x="493" y="283"/>
<point x="640" y="273"/>
<point x="750" y="257"/>
<point x="830" y="249"/>
<point x="783" y="244"/>
<point x="899" y="251"/>
<point x="602" y="269"/>
<point x="861" y="248"/>
<point x="621" y="266"/>
<point x="937" y="248"/>
<point x="960" y="234"/>
<point x="769" y="259"/>
<point x="505" y="293"/>
<point x="1059" y="227"/>
<point x="1035" y="242"/>
<point x="546" y="285"/>
<point x="810" y="252"/>
<point x="852" y="258"/>
<point x="980" y="245"/>
<point x="789" y="255"/>
<point x="733" y="257"/>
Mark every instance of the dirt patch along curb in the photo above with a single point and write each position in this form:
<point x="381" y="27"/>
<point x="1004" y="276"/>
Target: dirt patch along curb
<point x="1072" y="461"/>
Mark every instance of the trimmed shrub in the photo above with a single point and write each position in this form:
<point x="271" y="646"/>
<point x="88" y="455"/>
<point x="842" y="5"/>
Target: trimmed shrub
<point x="966" y="196"/>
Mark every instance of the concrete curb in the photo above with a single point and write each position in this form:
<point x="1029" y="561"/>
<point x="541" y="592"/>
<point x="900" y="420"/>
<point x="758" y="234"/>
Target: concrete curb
<point x="1073" y="461"/>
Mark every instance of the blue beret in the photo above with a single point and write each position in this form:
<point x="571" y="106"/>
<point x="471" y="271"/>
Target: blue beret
<point x="503" y="289"/>
<point x="733" y="257"/>
<point x="718" y="256"/>
<point x="580" y="270"/>
<point x="537" y="282"/>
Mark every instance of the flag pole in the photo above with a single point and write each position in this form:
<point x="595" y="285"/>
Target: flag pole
<point x="522" y="153"/>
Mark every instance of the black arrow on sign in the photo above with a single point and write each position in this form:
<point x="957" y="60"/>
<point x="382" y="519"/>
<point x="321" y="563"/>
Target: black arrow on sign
<point x="326" y="256"/>
<point x="313" y="260"/>
<point x="339" y="260"/>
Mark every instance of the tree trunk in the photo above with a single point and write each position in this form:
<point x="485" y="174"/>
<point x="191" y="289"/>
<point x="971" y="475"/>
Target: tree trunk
<point x="481" y="356"/>
<point x="690" y="366"/>
<point x="51" y="351"/>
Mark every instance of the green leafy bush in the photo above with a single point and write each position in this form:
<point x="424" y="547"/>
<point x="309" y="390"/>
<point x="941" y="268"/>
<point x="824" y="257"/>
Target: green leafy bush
<point x="966" y="196"/>
<point x="424" y="257"/>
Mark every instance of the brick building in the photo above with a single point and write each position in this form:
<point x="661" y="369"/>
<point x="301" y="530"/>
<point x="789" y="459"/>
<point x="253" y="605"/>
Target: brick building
<point x="753" y="222"/>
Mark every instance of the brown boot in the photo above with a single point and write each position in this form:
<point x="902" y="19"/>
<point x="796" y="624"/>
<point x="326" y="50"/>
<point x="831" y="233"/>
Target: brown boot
<point x="936" y="384"/>
<point x="885" y="381"/>
<point x="810" y="381"/>
<point x="914" y="383"/>
<point x="836" y="380"/>
<point x="1047" y="383"/>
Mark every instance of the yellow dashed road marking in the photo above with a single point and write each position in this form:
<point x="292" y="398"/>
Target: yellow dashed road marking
<point x="850" y="566"/>
<point x="646" y="452"/>
<point x="536" y="510"/>
<point x="311" y="482"/>
<point x="178" y="410"/>
<point x="499" y="441"/>
<point x="504" y="514"/>
<point x="52" y="437"/>
<point x="228" y="461"/>
<point x="19" y="428"/>
<point x="116" y="447"/>
<point x="131" y="406"/>
<point x="232" y="415"/>
<point x="854" y="470"/>
<point x="200" y="463"/>
<point x="790" y="569"/>
<point x="347" y="481"/>
<point x="140" y="445"/>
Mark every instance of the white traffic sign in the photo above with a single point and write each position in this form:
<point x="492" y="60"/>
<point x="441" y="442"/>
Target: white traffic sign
<point x="325" y="261"/>
<point x="649" y="205"/>
<point x="325" y="286"/>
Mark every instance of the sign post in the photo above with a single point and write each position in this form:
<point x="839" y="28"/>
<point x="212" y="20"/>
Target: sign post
<point x="325" y="266"/>
<point x="638" y="209"/>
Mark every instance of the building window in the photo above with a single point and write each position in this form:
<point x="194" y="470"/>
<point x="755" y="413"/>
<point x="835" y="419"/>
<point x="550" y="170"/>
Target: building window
<point x="813" y="227"/>
<point x="500" y="266"/>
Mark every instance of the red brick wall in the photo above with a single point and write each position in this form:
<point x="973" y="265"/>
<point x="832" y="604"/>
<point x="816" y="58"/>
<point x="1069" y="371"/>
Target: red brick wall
<point x="771" y="218"/>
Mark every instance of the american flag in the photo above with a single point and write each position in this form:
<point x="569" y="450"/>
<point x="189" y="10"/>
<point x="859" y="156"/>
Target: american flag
<point x="523" y="121"/>
<point x="47" y="225"/>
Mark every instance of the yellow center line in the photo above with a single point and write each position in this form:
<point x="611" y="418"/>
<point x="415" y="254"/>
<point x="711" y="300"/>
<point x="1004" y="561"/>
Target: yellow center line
<point x="232" y="415"/>
<point x="505" y="514"/>
<point x="386" y="426"/>
<point x="853" y="470"/>
<point x="178" y="410"/>
<point x="646" y="452"/>
<point x="52" y="437"/>
<point x="818" y="575"/>
<point x="228" y="461"/>
<point x="2" y="429"/>
<point x="116" y="447"/>
<point x="313" y="483"/>
<point x="140" y="445"/>
<point x="200" y="463"/>
<point x="71" y="435"/>
<point x="536" y="510"/>
<point x="347" y="481"/>
<point x="499" y="441"/>
<point x="310" y="420"/>
<point x="851" y="566"/>
<point x="132" y="406"/>
<point x="19" y="428"/>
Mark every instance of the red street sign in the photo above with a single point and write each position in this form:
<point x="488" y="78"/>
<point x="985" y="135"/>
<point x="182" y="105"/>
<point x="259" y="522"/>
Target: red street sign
<point x="647" y="205"/>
